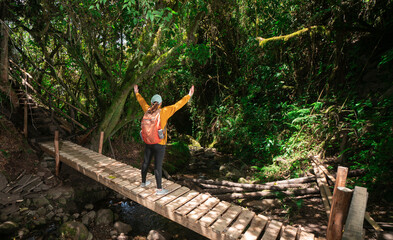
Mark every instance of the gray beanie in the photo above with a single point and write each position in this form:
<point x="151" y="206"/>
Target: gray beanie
<point x="156" y="98"/>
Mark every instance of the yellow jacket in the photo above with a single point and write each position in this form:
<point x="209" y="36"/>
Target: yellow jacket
<point x="166" y="112"/>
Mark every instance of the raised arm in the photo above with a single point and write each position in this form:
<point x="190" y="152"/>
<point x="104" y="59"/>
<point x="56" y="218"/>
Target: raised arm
<point x="140" y="99"/>
<point x="170" y="110"/>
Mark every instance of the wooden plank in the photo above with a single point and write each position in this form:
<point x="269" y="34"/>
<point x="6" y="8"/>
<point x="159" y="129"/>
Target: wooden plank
<point x="325" y="199"/>
<point x="170" y="197"/>
<point x="182" y="200"/>
<point x="338" y="214"/>
<point x="223" y="222"/>
<point x="372" y="222"/>
<point x="342" y="173"/>
<point x="149" y="190"/>
<point x="306" y="236"/>
<point x="191" y="205"/>
<point x="354" y="224"/>
<point x="57" y="152"/>
<point x="240" y="224"/>
<point x="258" y="224"/>
<point x="214" y="214"/>
<point x="289" y="233"/>
<point x="140" y="189"/>
<point x="101" y="142"/>
<point x="272" y="230"/>
<point x="198" y="212"/>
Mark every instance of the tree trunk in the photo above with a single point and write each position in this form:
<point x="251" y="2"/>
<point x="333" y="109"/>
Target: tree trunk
<point x="4" y="83"/>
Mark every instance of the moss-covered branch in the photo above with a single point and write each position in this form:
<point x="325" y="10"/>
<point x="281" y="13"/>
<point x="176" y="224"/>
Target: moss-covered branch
<point x="312" y="29"/>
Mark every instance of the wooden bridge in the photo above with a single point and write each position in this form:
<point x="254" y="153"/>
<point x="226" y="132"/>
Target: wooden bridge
<point x="199" y="212"/>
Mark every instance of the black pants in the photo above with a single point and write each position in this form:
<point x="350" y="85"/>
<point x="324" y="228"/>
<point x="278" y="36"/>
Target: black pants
<point x="158" y="151"/>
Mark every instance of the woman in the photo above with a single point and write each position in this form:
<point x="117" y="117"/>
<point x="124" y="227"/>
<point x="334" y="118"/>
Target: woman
<point x="158" y="150"/>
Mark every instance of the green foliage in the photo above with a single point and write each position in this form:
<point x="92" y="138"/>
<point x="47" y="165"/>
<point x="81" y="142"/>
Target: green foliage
<point x="177" y="156"/>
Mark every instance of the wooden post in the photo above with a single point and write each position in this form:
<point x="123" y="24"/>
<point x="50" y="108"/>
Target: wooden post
<point x="338" y="213"/>
<point x="341" y="178"/>
<point x="25" y="120"/>
<point x="353" y="229"/>
<point x="57" y="152"/>
<point x="101" y="142"/>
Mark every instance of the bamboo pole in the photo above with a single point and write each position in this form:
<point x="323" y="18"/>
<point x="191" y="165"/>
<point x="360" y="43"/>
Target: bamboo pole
<point x="57" y="152"/>
<point x="338" y="213"/>
<point x="25" y="119"/>
<point x="101" y="142"/>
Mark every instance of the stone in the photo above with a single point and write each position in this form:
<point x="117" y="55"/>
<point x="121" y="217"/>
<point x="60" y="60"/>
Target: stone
<point x="104" y="217"/>
<point x="158" y="235"/>
<point x="122" y="237"/>
<point x="76" y="215"/>
<point x="40" y="221"/>
<point x="50" y="215"/>
<point x="57" y="192"/>
<point x="122" y="227"/>
<point x="74" y="230"/>
<point x="23" y="232"/>
<point x="88" y="218"/>
<point x="62" y="201"/>
<point x="40" y="201"/>
<point x="89" y="206"/>
<point x="41" y="211"/>
<point x="8" y="227"/>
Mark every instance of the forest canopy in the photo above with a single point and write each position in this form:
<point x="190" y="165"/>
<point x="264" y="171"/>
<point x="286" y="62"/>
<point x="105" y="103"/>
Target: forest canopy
<point x="277" y="82"/>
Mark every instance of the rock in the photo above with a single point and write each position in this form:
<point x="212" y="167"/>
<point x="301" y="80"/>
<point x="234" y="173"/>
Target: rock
<point x="62" y="201"/>
<point x="158" y="235"/>
<point x="8" y="227"/>
<point x="122" y="227"/>
<point x="76" y="215"/>
<point x="41" y="211"/>
<point x="74" y="230"/>
<point x="50" y="215"/>
<point x="88" y="218"/>
<point x="210" y="152"/>
<point x="39" y="221"/>
<point x="40" y="201"/>
<point x="89" y="206"/>
<point x="104" y="217"/>
<point x="65" y="191"/>
<point x="23" y="232"/>
<point x="122" y="237"/>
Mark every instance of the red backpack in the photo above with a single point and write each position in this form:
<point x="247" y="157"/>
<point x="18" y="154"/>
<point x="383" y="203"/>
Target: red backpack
<point x="150" y="127"/>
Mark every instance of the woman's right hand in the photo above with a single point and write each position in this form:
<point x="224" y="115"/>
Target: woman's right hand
<point x="136" y="90"/>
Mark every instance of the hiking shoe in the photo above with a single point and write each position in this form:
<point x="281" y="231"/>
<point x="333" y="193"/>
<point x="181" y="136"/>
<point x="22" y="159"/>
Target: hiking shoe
<point x="147" y="183"/>
<point x="161" y="192"/>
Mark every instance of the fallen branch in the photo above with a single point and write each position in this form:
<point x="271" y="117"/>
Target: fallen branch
<point x="217" y="189"/>
<point x="265" y="194"/>
<point x="289" y="183"/>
